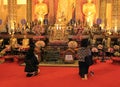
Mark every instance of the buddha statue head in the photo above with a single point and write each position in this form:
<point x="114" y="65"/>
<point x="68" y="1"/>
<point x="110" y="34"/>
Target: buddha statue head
<point x="40" y="1"/>
<point x="89" y="1"/>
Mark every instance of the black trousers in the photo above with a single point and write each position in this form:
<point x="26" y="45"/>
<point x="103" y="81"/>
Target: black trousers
<point x="83" y="68"/>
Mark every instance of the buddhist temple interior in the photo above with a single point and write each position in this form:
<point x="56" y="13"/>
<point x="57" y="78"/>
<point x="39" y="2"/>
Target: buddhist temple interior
<point x="58" y="22"/>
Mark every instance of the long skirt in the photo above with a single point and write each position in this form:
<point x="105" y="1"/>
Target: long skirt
<point x="83" y="68"/>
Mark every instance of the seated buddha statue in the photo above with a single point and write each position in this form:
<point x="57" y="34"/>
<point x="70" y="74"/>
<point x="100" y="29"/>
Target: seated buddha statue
<point x="13" y="42"/>
<point x="41" y="10"/>
<point x="89" y="11"/>
<point x="25" y="42"/>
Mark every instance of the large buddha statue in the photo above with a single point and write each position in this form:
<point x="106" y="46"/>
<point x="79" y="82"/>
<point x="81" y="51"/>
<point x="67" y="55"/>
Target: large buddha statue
<point x="89" y="10"/>
<point x="65" y="10"/>
<point x="41" y="10"/>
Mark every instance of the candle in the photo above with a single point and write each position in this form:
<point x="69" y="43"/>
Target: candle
<point x="115" y="29"/>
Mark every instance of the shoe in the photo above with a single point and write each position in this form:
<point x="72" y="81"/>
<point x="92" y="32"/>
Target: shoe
<point x="29" y="75"/>
<point x="36" y="73"/>
<point x="91" y="73"/>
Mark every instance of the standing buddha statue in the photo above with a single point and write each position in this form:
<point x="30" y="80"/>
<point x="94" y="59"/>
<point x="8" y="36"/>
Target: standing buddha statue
<point x="41" y="10"/>
<point x="89" y="10"/>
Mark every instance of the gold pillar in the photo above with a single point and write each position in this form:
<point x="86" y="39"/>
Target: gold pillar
<point x="51" y="14"/>
<point x="97" y="2"/>
<point x="108" y="15"/>
<point x="102" y="12"/>
<point x="12" y="10"/>
<point x="116" y="15"/>
<point x="29" y="11"/>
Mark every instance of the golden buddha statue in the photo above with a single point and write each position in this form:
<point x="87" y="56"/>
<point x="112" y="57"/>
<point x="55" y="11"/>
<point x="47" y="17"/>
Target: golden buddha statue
<point x="13" y="42"/>
<point x="41" y="10"/>
<point x="65" y="10"/>
<point x="25" y="42"/>
<point x="89" y="10"/>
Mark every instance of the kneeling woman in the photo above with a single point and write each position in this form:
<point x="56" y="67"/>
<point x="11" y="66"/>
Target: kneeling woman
<point x="83" y="51"/>
<point x="31" y="61"/>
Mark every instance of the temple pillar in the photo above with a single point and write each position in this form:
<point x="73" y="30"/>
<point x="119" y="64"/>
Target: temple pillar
<point x="12" y="10"/>
<point x="115" y="15"/>
<point x="29" y="11"/>
<point x="102" y="13"/>
<point x="51" y="15"/>
<point x="108" y="14"/>
<point x="97" y="2"/>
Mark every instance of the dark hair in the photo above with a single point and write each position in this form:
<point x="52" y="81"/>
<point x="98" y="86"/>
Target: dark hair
<point x="84" y="42"/>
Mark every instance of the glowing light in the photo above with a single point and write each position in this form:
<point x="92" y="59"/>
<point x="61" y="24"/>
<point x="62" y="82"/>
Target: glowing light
<point x="5" y="2"/>
<point x="115" y="29"/>
<point x="21" y="1"/>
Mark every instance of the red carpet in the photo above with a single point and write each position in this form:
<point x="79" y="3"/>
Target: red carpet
<point x="106" y="75"/>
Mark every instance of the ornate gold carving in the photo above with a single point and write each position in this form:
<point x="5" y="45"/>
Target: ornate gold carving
<point x="29" y="11"/>
<point x="58" y="32"/>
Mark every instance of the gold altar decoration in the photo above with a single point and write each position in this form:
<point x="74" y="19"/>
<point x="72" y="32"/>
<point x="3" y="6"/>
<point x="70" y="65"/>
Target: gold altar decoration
<point x="12" y="15"/>
<point x="41" y="10"/>
<point x="108" y="42"/>
<point x="58" y="32"/>
<point x="1" y="41"/>
<point x="29" y="11"/>
<point x="89" y="10"/>
<point x="12" y="10"/>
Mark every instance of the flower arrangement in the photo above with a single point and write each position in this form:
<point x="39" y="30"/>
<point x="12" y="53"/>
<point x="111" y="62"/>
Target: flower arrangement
<point x="116" y="54"/>
<point x="116" y="50"/>
<point x="40" y="44"/>
<point x="116" y="47"/>
<point x="100" y="47"/>
<point x="72" y="44"/>
<point x="110" y="49"/>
